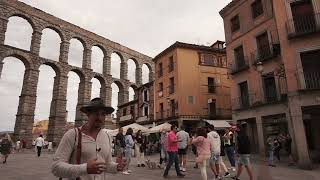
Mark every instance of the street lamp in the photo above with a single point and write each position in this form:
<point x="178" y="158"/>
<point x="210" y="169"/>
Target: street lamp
<point x="260" y="67"/>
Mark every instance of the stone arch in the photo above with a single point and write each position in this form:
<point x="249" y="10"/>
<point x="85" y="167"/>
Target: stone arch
<point x="103" y="49"/>
<point x="102" y="84"/>
<point x="97" y="59"/>
<point x="72" y="95"/>
<point x="45" y="87"/>
<point x="146" y="71"/>
<point x="27" y="62"/>
<point x="56" y="29"/>
<point x="55" y="66"/>
<point x="131" y="93"/>
<point x="24" y="41"/>
<point x="47" y="50"/>
<point x="75" y="54"/>
<point x="117" y="91"/>
<point x="132" y="70"/>
<point x="9" y="95"/>
<point x="23" y="16"/>
<point x="116" y="61"/>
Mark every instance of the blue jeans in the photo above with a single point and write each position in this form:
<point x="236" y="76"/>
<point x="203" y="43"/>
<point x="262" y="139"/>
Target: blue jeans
<point x="230" y="154"/>
<point x="270" y="160"/>
<point x="173" y="158"/>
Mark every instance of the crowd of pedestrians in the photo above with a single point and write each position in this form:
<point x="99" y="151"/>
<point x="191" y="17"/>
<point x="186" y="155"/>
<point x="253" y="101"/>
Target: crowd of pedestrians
<point x="86" y="152"/>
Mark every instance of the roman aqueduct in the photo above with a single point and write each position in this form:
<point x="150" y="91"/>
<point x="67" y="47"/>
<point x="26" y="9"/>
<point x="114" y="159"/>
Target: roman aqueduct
<point x="31" y="59"/>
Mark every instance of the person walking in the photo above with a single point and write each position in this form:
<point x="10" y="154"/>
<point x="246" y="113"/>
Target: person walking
<point x="18" y="145"/>
<point x="215" y="141"/>
<point x="271" y="149"/>
<point x="183" y="136"/>
<point x="277" y="148"/>
<point x="204" y="150"/>
<point x="119" y="149"/>
<point x="172" y="149"/>
<point x="243" y="150"/>
<point x="50" y="146"/>
<point x="140" y="147"/>
<point x="222" y="154"/>
<point x="86" y="152"/>
<point x="163" y="147"/>
<point x="288" y="143"/>
<point x="128" y="150"/>
<point x="39" y="144"/>
<point x="5" y="147"/>
<point x="228" y="138"/>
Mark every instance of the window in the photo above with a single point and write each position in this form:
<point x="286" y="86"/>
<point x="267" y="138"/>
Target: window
<point x="161" y="113"/>
<point x="212" y="108"/>
<point x="145" y="111"/>
<point x="239" y="57"/>
<point x="145" y="95"/>
<point x="124" y="112"/>
<point x="256" y="8"/>
<point x="160" y="87"/>
<point x="160" y="70"/>
<point x="209" y="60"/>
<point x="171" y="64"/>
<point x="263" y="46"/>
<point x="270" y="90"/>
<point x="311" y="71"/>
<point x="171" y="86"/>
<point x="173" y="108"/>
<point x="303" y="16"/>
<point x="244" y="94"/>
<point x="235" y="23"/>
<point x="190" y="100"/>
<point x="132" y="111"/>
<point x="210" y="85"/>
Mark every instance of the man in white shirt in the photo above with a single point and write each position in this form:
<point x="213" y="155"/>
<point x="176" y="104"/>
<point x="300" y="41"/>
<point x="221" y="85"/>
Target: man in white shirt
<point x="183" y="137"/>
<point x="39" y="144"/>
<point x="215" y="142"/>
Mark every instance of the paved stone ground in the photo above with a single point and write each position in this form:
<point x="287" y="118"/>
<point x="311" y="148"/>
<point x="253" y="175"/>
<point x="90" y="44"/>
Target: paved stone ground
<point x="26" y="166"/>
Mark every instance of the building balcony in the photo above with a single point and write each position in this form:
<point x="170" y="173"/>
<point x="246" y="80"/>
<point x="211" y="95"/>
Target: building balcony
<point x="126" y="118"/>
<point x="169" y="114"/>
<point x="265" y="53"/>
<point x="219" y="113"/>
<point x="303" y="25"/>
<point x="171" y="89"/>
<point x="240" y="65"/>
<point x="258" y="99"/>
<point x="309" y="81"/>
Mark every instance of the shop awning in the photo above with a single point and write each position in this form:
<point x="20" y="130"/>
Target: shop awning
<point x="218" y="123"/>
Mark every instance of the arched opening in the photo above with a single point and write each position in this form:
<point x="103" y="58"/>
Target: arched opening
<point x="132" y="70"/>
<point x="11" y="82"/>
<point x="131" y="94"/>
<point x="72" y="95"/>
<point x="96" y="86"/>
<point x="44" y="97"/>
<point x="75" y="56"/>
<point x="97" y="59"/>
<point x="50" y="44"/>
<point x="145" y="74"/>
<point x="115" y="96"/>
<point x="115" y="65"/>
<point x="19" y="33"/>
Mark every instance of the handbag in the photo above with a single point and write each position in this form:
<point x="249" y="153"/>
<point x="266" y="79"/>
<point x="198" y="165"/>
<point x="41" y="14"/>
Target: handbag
<point x="78" y="150"/>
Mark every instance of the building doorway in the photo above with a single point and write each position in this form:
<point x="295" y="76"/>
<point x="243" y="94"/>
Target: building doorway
<point x="311" y="121"/>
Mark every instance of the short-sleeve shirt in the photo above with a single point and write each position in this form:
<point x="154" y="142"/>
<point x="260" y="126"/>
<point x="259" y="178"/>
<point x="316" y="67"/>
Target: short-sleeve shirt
<point x="172" y="147"/>
<point x="184" y="137"/>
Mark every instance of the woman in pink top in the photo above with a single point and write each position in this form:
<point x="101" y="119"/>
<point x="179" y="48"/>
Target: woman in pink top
<point x="203" y="149"/>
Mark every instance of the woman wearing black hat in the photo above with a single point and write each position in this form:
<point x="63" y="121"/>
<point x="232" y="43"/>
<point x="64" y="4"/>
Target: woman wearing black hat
<point x="85" y="152"/>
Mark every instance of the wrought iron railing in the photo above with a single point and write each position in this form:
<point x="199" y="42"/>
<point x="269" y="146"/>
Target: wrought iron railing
<point x="303" y="25"/>
<point x="312" y="80"/>
<point x="265" y="53"/>
<point x="258" y="99"/>
<point x="240" y="65"/>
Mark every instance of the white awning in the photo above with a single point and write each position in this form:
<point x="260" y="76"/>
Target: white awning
<point x="219" y="123"/>
<point x="164" y="126"/>
<point x="134" y="126"/>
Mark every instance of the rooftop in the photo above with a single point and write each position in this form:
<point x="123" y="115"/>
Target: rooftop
<point x="188" y="46"/>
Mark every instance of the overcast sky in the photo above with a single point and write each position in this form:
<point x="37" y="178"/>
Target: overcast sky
<point x="148" y="26"/>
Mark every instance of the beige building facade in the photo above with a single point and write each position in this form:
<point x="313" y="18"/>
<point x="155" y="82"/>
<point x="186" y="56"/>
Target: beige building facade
<point x="191" y="84"/>
<point x="273" y="52"/>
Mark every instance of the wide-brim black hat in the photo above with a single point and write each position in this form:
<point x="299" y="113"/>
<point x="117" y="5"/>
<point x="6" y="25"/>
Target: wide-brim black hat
<point x="95" y="104"/>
